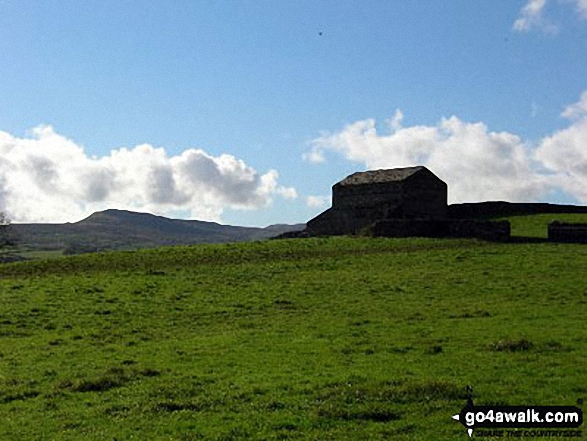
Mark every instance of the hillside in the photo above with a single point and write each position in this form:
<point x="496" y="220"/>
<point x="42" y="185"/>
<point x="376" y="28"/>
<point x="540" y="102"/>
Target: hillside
<point x="120" y="229"/>
<point x="340" y="338"/>
<point x="127" y="230"/>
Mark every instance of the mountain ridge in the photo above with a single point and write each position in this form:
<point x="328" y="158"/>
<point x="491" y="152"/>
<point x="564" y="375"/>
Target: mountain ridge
<point x="114" y="229"/>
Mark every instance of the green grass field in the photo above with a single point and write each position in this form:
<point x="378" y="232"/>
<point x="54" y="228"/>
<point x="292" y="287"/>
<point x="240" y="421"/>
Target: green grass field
<point x="537" y="225"/>
<point x="340" y="338"/>
<point x="40" y="254"/>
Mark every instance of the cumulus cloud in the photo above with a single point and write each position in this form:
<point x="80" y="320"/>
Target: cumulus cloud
<point x="532" y="16"/>
<point x="287" y="192"/>
<point x="395" y="122"/>
<point x="314" y="156"/>
<point x="49" y="178"/>
<point x="476" y="163"/>
<point x="581" y="7"/>
<point x="565" y="152"/>
<point x="577" y="110"/>
<point x="317" y="201"/>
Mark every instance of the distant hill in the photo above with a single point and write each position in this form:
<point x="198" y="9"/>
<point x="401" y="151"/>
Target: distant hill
<point x="121" y="229"/>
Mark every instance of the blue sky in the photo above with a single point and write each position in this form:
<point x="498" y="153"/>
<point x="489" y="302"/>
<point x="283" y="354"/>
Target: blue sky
<point x="247" y="112"/>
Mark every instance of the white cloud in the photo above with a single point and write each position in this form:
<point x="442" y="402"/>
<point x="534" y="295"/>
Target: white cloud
<point x="314" y="156"/>
<point x="565" y="154"/>
<point x="49" y="178"/>
<point x="395" y="122"/>
<point x="317" y="201"/>
<point x="581" y="6"/>
<point x="577" y="110"/>
<point x="477" y="164"/>
<point x="532" y="16"/>
<point x="287" y="192"/>
<point x="360" y="142"/>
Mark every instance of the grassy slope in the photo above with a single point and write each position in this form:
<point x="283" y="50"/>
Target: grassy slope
<point x="304" y="339"/>
<point x="536" y="225"/>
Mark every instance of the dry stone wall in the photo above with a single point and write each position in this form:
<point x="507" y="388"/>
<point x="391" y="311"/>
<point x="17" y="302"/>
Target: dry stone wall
<point x="486" y="230"/>
<point x="503" y="209"/>
<point x="567" y="232"/>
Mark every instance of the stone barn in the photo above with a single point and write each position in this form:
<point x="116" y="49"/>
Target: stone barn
<point x="363" y="198"/>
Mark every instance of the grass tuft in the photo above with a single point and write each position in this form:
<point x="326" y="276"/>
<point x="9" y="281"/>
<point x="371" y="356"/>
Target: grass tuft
<point x="177" y="407"/>
<point x="19" y="396"/>
<point x="512" y="345"/>
<point x="378" y="415"/>
<point x="112" y="378"/>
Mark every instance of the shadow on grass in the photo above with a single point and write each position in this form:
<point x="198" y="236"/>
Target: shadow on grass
<point x="378" y="401"/>
<point x="112" y="378"/>
<point x="527" y="239"/>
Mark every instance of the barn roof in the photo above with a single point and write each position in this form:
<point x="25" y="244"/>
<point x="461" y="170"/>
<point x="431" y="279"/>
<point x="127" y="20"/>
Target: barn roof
<point x="379" y="176"/>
